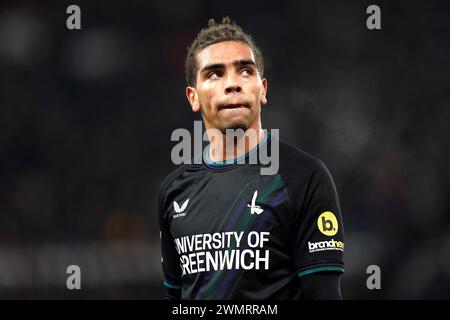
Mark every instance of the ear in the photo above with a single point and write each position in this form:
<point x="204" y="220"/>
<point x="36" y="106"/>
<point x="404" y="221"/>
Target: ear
<point x="192" y="97"/>
<point x="264" y="91"/>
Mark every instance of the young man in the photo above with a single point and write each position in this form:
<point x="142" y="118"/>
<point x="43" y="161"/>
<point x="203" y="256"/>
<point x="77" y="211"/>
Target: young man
<point x="228" y="231"/>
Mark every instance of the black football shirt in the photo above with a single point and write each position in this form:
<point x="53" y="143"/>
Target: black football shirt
<point x="229" y="232"/>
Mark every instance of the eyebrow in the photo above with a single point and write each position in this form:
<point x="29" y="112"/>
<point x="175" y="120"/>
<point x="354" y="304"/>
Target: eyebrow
<point x="237" y="63"/>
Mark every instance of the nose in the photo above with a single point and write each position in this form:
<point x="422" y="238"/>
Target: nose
<point x="232" y="85"/>
<point x="231" y="89"/>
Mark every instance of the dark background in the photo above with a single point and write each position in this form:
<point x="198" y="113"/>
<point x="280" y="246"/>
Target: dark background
<point x="86" y="118"/>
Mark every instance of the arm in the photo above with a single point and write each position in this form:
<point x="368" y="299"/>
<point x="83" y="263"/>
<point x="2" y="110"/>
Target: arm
<point x="321" y="286"/>
<point x="172" y="293"/>
<point x="169" y="256"/>
<point x="320" y="239"/>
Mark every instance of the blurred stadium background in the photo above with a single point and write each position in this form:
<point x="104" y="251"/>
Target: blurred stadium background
<point x="86" y="118"/>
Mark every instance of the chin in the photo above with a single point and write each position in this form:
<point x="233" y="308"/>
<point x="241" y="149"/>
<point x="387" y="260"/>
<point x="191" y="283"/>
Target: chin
<point x="234" y="126"/>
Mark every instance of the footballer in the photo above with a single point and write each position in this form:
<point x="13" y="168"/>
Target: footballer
<point x="227" y="231"/>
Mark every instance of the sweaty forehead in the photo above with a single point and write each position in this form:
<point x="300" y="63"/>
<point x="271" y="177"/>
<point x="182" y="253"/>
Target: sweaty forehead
<point x="224" y="52"/>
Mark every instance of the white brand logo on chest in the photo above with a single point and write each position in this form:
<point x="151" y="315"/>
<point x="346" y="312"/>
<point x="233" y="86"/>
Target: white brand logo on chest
<point x="180" y="211"/>
<point x="253" y="207"/>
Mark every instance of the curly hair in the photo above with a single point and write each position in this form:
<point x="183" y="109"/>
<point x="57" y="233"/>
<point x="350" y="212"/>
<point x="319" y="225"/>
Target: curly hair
<point x="214" y="33"/>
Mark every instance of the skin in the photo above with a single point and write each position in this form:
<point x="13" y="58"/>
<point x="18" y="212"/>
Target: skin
<point x="229" y="93"/>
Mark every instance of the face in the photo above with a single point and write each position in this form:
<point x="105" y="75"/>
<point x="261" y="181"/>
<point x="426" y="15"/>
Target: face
<point x="229" y="90"/>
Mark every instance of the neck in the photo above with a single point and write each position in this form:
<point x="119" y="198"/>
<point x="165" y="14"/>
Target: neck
<point x="229" y="146"/>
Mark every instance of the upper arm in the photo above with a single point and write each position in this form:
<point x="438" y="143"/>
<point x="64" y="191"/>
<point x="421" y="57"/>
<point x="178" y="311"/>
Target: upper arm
<point x="319" y="231"/>
<point x="169" y="256"/>
<point x="321" y="286"/>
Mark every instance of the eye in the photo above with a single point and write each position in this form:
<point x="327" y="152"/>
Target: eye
<point x="247" y="71"/>
<point x="213" y="75"/>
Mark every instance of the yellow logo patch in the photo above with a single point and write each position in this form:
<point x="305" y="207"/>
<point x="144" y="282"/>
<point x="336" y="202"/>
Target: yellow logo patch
<point x="327" y="223"/>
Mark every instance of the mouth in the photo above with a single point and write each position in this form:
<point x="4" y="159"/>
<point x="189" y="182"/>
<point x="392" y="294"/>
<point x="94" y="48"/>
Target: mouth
<point x="232" y="106"/>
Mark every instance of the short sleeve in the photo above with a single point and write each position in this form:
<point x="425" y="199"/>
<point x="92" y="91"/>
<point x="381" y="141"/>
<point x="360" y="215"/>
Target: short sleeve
<point x="169" y="256"/>
<point x="319" y="229"/>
